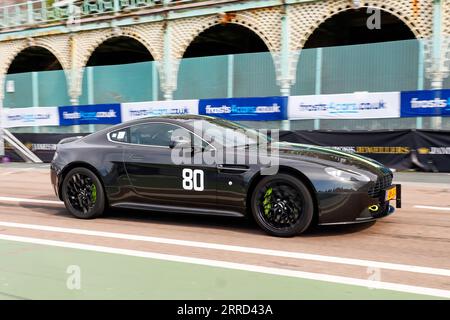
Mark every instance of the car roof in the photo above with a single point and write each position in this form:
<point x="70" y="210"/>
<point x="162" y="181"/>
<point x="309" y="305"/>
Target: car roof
<point x="168" y="118"/>
<point x="177" y="119"/>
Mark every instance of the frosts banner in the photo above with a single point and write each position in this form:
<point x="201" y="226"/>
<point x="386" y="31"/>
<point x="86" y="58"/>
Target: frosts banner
<point x="245" y="109"/>
<point x="425" y="103"/>
<point x="345" y="106"/>
<point x="30" y="117"/>
<point x="90" y="114"/>
<point x="138" y="110"/>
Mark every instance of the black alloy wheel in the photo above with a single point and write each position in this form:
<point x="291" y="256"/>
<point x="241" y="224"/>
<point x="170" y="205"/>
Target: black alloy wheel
<point x="282" y="205"/>
<point x="83" y="194"/>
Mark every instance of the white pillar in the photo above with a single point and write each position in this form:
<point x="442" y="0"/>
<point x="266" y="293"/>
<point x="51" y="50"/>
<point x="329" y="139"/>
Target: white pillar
<point x="230" y="76"/>
<point x="438" y="57"/>
<point x="75" y="79"/>
<point x="90" y="83"/>
<point x="35" y="94"/>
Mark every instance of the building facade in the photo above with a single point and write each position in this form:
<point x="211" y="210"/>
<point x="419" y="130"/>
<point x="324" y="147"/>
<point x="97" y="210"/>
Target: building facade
<point x="168" y="27"/>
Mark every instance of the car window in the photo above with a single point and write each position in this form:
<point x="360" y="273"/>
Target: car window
<point x="119" y="135"/>
<point x="152" y="134"/>
<point x="156" y="134"/>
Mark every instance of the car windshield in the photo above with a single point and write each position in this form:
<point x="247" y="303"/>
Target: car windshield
<point x="227" y="133"/>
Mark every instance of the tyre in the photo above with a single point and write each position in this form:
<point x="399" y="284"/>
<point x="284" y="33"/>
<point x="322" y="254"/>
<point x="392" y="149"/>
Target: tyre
<point x="83" y="194"/>
<point x="282" y="205"/>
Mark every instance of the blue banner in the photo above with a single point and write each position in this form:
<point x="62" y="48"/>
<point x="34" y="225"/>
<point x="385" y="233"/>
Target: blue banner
<point x="90" y="114"/>
<point x="245" y="109"/>
<point x="425" y="103"/>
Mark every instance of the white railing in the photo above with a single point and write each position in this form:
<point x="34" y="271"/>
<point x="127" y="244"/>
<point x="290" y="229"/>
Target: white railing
<point x="42" y="12"/>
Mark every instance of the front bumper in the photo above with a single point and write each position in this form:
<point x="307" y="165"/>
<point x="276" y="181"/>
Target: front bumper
<point x="359" y="208"/>
<point x="389" y="210"/>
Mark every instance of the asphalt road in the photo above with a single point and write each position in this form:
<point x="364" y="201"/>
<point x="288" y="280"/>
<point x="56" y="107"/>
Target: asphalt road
<point x="129" y="254"/>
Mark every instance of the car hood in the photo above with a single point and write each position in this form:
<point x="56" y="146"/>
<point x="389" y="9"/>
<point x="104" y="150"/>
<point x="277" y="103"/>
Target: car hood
<point x="329" y="157"/>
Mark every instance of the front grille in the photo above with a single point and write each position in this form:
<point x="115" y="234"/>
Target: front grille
<point x="380" y="186"/>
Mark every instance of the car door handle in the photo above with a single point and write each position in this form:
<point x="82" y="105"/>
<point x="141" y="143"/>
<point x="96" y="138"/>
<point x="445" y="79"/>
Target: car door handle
<point x="136" y="157"/>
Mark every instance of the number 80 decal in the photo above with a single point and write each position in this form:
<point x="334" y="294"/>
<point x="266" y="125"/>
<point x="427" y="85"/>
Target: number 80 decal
<point x="193" y="180"/>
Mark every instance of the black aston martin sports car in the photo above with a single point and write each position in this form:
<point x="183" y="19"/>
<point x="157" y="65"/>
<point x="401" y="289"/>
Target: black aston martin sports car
<point x="178" y="164"/>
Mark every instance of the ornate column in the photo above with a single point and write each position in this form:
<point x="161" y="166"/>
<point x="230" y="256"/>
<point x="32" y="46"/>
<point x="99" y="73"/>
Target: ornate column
<point x="285" y="69"/>
<point x="284" y="62"/>
<point x="74" y="75"/>
<point x="169" y="67"/>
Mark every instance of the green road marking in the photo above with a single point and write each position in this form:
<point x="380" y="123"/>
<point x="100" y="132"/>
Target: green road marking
<point x="31" y="271"/>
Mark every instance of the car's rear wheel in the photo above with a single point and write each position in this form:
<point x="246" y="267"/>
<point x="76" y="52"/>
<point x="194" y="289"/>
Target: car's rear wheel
<point x="282" y="205"/>
<point x="83" y="194"/>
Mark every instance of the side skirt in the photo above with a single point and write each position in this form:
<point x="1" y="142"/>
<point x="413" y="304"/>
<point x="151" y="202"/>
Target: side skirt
<point x="175" y="209"/>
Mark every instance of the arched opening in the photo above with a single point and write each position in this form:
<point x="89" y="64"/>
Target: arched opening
<point x="119" y="50"/>
<point x="120" y="69"/>
<point x="35" y="78"/>
<point x="224" y="60"/>
<point x="350" y="27"/>
<point x="225" y="39"/>
<point x="34" y="59"/>
<point x="355" y="57"/>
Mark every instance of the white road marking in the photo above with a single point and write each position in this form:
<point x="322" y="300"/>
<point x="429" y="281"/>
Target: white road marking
<point x="433" y="208"/>
<point x="237" y="266"/>
<point x="224" y="247"/>
<point x="16" y="171"/>
<point x="13" y="199"/>
<point x="424" y="184"/>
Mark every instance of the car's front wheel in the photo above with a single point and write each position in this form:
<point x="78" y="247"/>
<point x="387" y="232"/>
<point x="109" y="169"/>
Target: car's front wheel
<point x="282" y="205"/>
<point x="83" y="194"/>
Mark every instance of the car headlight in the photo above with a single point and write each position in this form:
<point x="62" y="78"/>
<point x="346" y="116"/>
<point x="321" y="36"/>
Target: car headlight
<point x="346" y="175"/>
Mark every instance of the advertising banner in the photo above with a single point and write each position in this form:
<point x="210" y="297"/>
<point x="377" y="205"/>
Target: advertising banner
<point x="90" y="114"/>
<point x="30" y="117"/>
<point x="245" y="109"/>
<point x="138" y="110"/>
<point x="345" y="106"/>
<point x="425" y="103"/>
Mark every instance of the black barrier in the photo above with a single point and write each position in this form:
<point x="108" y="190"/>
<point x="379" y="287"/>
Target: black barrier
<point x="392" y="148"/>
<point x="424" y="150"/>
<point x="43" y="145"/>
<point x="433" y="150"/>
